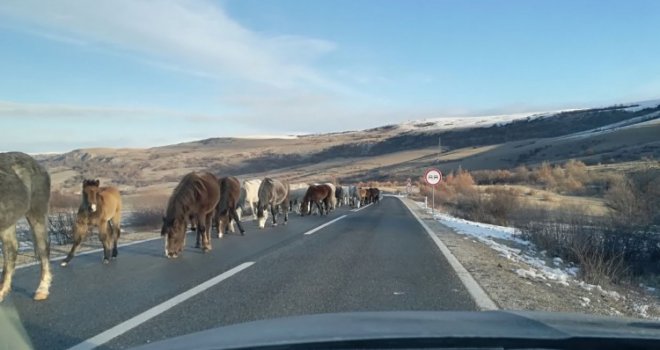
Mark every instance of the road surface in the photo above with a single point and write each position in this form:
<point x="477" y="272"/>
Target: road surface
<point x="376" y="259"/>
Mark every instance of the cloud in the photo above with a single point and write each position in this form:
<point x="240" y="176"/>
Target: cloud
<point x="180" y="33"/>
<point x="10" y="109"/>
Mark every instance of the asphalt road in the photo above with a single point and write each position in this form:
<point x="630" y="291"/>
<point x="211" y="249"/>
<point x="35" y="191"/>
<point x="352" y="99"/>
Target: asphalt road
<point x="375" y="259"/>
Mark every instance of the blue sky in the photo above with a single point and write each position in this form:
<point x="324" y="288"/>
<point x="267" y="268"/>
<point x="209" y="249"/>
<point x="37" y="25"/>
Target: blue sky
<point x="129" y="73"/>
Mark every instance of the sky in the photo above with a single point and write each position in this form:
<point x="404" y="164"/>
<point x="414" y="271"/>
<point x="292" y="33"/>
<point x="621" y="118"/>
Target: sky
<point x="132" y="73"/>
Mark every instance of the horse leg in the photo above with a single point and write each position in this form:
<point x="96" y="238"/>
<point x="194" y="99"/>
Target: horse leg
<point x="234" y="214"/>
<point x="79" y="235"/>
<point x="274" y="213"/>
<point x="286" y="211"/>
<point x="206" y="233"/>
<point x="115" y="224"/>
<point x="41" y="251"/>
<point x="106" y="239"/>
<point x="254" y="212"/>
<point x="219" y="223"/>
<point x="9" y="250"/>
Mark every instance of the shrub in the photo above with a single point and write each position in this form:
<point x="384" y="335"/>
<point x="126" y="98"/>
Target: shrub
<point x="501" y="204"/>
<point x="61" y="225"/>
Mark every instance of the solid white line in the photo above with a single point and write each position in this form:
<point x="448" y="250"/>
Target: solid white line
<point x="89" y="252"/>
<point x="126" y="326"/>
<point x="360" y="208"/>
<point x="483" y="301"/>
<point x="324" y="225"/>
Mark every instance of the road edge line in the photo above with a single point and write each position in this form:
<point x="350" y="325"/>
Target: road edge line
<point x="145" y="316"/>
<point x="324" y="225"/>
<point x="360" y="208"/>
<point x="85" y="252"/>
<point x="480" y="297"/>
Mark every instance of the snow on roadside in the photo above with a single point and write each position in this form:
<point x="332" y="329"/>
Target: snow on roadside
<point x="504" y="240"/>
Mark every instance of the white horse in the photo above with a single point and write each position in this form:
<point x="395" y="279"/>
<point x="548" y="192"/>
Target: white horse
<point x="345" y="194"/>
<point x="333" y="200"/>
<point x="250" y="191"/>
<point x="354" y="196"/>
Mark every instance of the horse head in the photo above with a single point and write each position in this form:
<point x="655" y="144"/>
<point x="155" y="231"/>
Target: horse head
<point x="173" y="233"/>
<point x="90" y="195"/>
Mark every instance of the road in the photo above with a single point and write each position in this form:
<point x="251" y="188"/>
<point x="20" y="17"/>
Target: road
<point x="375" y="259"/>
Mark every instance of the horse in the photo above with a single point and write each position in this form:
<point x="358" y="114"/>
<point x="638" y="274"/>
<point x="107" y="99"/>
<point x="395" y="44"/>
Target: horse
<point x="354" y="196"/>
<point x="251" y="194"/>
<point x="24" y="192"/>
<point x="363" y="193"/>
<point x="100" y="207"/>
<point x="333" y="200"/>
<point x="225" y="212"/>
<point x="345" y="195"/>
<point x="296" y="198"/>
<point x="320" y="195"/>
<point x="339" y="194"/>
<point x="374" y="195"/>
<point x="273" y="194"/>
<point x="197" y="195"/>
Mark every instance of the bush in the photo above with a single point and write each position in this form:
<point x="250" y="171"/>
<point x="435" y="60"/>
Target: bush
<point x="501" y="204"/>
<point x="603" y="252"/>
<point x="61" y="225"/>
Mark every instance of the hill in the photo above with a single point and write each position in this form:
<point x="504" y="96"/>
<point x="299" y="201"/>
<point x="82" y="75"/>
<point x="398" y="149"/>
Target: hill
<point x="599" y="135"/>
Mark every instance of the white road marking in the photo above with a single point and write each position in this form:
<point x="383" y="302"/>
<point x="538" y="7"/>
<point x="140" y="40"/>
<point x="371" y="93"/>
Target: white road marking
<point x="483" y="301"/>
<point x="360" y="208"/>
<point x="89" y="252"/>
<point x="126" y="326"/>
<point x="324" y="225"/>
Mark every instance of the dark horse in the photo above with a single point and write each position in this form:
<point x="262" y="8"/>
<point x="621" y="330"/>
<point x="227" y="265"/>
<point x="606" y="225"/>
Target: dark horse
<point x="101" y="207"/>
<point x="374" y="195"/>
<point x="225" y="212"/>
<point x="319" y="195"/>
<point x="273" y="194"/>
<point x="195" y="196"/>
<point x="24" y="191"/>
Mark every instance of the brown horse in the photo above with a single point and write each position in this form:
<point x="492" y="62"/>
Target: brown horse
<point x="225" y="212"/>
<point x="319" y="195"/>
<point x="364" y="195"/>
<point x="100" y="207"/>
<point x="24" y="192"/>
<point x="196" y="195"/>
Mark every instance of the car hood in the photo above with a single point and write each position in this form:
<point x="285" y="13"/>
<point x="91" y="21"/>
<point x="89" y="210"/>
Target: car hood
<point x="423" y="329"/>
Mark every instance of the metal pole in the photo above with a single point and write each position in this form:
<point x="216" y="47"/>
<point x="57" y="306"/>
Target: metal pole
<point x="432" y="200"/>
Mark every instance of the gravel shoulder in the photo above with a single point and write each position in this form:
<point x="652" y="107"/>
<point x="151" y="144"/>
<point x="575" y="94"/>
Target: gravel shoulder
<point x="496" y="275"/>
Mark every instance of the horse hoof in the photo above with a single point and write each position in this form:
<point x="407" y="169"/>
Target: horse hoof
<point x="64" y="263"/>
<point x="242" y="233"/>
<point x="106" y="261"/>
<point x="40" y="296"/>
<point x="274" y="224"/>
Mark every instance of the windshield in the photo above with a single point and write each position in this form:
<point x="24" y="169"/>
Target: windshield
<point x="174" y="166"/>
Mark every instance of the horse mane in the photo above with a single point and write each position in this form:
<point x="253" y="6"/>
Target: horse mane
<point x="184" y="194"/>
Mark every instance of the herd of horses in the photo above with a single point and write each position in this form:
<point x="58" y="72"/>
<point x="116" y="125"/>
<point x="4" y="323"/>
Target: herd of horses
<point x="201" y="200"/>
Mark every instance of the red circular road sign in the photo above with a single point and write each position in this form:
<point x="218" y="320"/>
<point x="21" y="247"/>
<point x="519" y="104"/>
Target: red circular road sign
<point x="433" y="176"/>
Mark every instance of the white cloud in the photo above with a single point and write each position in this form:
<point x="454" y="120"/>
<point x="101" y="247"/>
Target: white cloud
<point x="10" y="109"/>
<point x="189" y="33"/>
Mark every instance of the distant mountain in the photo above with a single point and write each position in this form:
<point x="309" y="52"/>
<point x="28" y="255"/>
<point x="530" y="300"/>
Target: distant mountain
<point x="609" y="134"/>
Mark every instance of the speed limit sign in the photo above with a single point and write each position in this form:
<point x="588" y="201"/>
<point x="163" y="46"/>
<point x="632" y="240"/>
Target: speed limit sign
<point x="433" y="176"/>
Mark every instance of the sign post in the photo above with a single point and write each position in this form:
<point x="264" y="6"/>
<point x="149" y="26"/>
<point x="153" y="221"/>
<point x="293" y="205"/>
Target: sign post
<point x="432" y="177"/>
